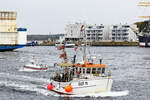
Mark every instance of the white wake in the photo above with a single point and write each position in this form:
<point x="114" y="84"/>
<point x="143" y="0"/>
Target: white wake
<point x="42" y="87"/>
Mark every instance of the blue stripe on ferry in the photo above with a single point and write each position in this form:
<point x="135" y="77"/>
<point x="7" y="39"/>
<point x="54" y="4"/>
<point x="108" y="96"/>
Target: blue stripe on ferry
<point x="10" y="47"/>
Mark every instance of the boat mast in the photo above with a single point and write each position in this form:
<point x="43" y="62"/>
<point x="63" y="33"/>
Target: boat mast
<point x="85" y="44"/>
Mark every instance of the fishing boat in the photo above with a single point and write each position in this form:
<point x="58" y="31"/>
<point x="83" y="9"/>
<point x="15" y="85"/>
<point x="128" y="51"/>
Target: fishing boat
<point x="77" y="78"/>
<point x="35" y="66"/>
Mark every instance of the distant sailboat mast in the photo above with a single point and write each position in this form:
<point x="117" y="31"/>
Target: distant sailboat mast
<point x="84" y="40"/>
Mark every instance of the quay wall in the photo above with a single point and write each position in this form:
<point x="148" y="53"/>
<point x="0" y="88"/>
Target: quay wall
<point x="96" y="43"/>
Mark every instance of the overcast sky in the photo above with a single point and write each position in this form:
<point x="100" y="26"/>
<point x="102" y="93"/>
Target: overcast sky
<point x="51" y="16"/>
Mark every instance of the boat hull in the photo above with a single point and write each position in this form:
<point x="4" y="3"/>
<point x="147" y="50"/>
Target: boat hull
<point x="35" y="67"/>
<point x="84" y="86"/>
<point x="144" y="41"/>
<point x="10" y="47"/>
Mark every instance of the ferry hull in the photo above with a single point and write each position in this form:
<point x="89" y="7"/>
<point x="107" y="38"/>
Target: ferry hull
<point x="144" y="41"/>
<point x="10" y="47"/>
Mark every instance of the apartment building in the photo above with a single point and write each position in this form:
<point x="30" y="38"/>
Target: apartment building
<point x="122" y="33"/>
<point x="100" y="33"/>
<point x="96" y="33"/>
<point x="73" y="32"/>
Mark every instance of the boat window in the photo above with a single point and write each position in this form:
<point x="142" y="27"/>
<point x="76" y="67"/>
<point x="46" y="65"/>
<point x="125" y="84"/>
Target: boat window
<point x="76" y="69"/>
<point x="98" y="70"/>
<point x="80" y="70"/>
<point x="103" y="70"/>
<point x="83" y="70"/>
<point x="88" y="70"/>
<point x="73" y="69"/>
<point x="93" y="70"/>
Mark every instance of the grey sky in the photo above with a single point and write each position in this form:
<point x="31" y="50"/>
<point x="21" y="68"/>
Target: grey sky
<point x="44" y="16"/>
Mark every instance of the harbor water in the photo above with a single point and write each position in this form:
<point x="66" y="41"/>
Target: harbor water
<point x="130" y="70"/>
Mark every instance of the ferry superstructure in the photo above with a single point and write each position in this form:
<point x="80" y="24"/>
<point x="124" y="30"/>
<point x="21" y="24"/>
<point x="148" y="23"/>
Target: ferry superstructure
<point x="11" y="37"/>
<point x="144" y="28"/>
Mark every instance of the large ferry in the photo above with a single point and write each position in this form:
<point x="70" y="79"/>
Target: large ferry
<point x="144" y="28"/>
<point x="11" y="37"/>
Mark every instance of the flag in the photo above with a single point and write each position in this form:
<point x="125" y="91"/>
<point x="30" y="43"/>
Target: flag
<point x="75" y="48"/>
<point x="61" y="47"/>
<point x="82" y="27"/>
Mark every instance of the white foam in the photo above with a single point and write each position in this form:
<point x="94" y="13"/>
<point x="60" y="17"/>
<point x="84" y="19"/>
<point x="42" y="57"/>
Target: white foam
<point x="26" y="87"/>
<point x="42" y="89"/>
<point x="22" y="77"/>
<point x="101" y="94"/>
<point x="45" y="92"/>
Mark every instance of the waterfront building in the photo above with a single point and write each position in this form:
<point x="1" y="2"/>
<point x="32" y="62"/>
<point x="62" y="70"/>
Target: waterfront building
<point x="96" y="33"/>
<point x="100" y="33"/>
<point x="121" y="33"/>
<point x="93" y="32"/>
<point x="73" y="32"/>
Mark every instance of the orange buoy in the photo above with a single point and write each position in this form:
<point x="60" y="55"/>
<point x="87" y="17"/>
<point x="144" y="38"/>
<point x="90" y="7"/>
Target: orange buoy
<point x="50" y="86"/>
<point x="68" y="88"/>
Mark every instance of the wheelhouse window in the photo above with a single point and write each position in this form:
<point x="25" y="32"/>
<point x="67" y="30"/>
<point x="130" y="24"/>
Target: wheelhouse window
<point x="103" y="70"/>
<point x="80" y="70"/>
<point x="93" y="70"/>
<point x="88" y="70"/>
<point x="83" y="70"/>
<point x="98" y="70"/>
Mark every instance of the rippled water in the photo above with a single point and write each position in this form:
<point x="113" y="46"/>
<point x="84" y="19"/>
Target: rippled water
<point x="130" y="69"/>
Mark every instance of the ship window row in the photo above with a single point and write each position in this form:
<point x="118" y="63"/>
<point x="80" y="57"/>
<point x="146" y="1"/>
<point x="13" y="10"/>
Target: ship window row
<point x="3" y="15"/>
<point x="90" y="70"/>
